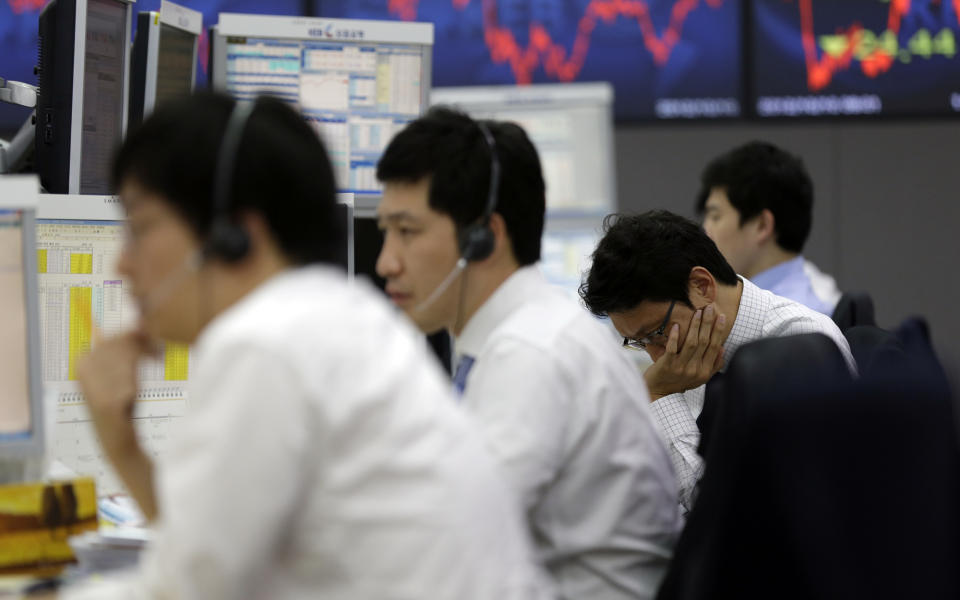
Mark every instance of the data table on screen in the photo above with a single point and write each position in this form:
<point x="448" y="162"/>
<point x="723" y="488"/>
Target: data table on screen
<point x="356" y="96"/>
<point x="82" y="297"/>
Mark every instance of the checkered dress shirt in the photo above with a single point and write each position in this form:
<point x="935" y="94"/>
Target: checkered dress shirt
<point x="762" y="314"/>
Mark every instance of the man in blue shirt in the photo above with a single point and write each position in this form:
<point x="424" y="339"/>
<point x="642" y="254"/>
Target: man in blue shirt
<point x="757" y="206"/>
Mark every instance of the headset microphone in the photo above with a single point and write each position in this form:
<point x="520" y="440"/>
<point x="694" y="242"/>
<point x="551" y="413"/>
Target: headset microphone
<point x="454" y="273"/>
<point x="477" y="240"/>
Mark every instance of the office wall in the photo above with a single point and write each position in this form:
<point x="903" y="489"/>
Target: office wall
<point x="887" y="207"/>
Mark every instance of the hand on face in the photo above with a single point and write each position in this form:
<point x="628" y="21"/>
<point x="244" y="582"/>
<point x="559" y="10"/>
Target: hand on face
<point x="690" y="366"/>
<point x="108" y="380"/>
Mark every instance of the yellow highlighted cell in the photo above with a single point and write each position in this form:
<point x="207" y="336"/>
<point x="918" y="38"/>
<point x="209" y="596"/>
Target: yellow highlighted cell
<point x="176" y="362"/>
<point x="42" y="261"/>
<point x="81" y="320"/>
<point x="81" y="263"/>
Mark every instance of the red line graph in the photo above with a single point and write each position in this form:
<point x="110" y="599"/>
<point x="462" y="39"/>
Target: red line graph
<point x="552" y="56"/>
<point x="820" y="71"/>
<point x="21" y="6"/>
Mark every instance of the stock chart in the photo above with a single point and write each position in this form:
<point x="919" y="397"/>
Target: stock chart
<point x="666" y="59"/>
<point x="856" y="57"/>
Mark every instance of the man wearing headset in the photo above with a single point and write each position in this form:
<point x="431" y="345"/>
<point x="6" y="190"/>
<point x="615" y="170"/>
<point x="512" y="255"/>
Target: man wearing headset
<point x="564" y="411"/>
<point x="322" y="455"/>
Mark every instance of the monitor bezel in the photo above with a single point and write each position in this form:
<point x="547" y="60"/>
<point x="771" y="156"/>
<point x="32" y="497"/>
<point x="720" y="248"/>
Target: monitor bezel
<point x="20" y="192"/>
<point x="178" y="17"/>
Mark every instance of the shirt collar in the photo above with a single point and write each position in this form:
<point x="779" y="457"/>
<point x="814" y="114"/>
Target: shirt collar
<point x="777" y="274"/>
<point x="223" y="320"/>
<point x="507" y="298"/>
<point x="749" y="323"/>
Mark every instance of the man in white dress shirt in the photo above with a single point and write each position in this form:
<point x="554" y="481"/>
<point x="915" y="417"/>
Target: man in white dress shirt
<point x="563" y="410"/>
<point x="669" y="291"/>
<point x="322" y="456"/>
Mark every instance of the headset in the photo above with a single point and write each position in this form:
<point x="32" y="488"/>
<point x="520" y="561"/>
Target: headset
<point x="228" y="240"/>
<point x="476" y="240"/>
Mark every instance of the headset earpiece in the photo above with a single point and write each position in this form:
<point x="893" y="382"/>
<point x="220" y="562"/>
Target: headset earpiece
<point x="477" y="241"/>
<point x="228" y="241"/>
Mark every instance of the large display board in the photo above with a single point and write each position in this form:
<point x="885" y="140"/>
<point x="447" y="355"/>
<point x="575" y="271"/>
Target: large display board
<point x="667" y="59"/>
<point x="856" y="57"/>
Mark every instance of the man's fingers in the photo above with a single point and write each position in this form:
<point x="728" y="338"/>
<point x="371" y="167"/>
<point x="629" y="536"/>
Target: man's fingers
<point x="673" y="340"/>
<point x="714" y="348"/>
<point x="690" y="344"/>
<point x="706" y="328"/>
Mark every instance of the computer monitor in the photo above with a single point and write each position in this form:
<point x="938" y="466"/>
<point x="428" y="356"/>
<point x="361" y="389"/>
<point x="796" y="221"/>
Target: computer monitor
<point x="78" y="242"/>
<point x="571" y="126"/>
<point x="21" y="393"/>
<point x="82" y="104"/>
<point x="357" y="82"/>
<point x="164" y="57"/>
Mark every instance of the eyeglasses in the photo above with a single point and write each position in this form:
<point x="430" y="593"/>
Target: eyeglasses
<point x="641" y="343"/>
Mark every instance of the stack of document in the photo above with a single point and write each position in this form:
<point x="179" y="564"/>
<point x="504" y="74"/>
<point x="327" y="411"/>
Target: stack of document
<point x="107" y="550"/>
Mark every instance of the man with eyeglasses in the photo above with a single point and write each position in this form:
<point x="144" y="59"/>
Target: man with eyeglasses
<point x="669" y="291"/>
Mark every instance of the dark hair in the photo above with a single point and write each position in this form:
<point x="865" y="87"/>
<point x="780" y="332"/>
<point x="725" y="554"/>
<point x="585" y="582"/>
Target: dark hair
<point x="758" y="176"/>
<point x="448" y="147"/>
<point x="649" y="257"/>
<point x="281" y="171"/>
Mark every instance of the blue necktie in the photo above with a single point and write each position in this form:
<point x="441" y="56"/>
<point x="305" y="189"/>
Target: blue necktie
<point x="460" y="377"/>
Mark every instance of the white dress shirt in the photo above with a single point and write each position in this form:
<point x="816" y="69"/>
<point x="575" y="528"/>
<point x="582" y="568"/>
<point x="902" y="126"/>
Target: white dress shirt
<point x="324" y="457"/>
<point x="762" y="314"/>
<point x="567" y="414"/>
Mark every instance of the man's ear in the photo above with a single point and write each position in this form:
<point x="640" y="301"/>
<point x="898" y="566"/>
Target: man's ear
<point x="766" y="225"/>
<point x="702" y="287"/>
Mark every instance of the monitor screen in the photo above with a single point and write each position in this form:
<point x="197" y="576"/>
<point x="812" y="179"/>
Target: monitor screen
<point x="15" y="415"/>
<point x="667" y="59"/>
<point x="22" y="430"/>
<point x="103" y="92"/>
<point x="565" y="255"/>
<point x="571" y="125"/>
<point x="174" y="63"/>
<point x="357" y="92"/>
<point x="80" y="296"/>
<point x="856" y="57"/>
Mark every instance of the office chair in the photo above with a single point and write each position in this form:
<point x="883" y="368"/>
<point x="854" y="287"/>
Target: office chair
<point x="821" y="486"/>
<point x="854" y="308"/>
